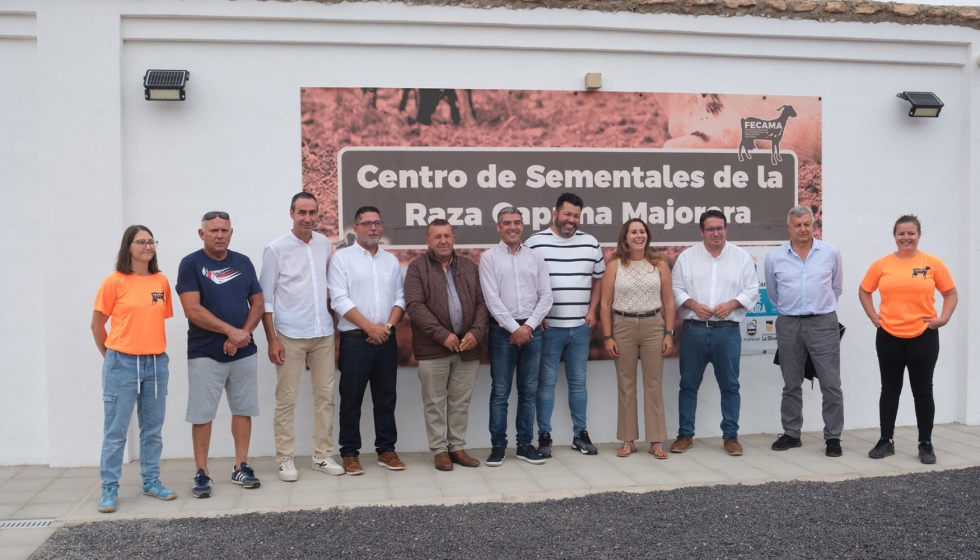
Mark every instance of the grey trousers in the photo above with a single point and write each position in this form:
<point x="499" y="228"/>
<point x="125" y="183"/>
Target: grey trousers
<point x="820" y="336"/>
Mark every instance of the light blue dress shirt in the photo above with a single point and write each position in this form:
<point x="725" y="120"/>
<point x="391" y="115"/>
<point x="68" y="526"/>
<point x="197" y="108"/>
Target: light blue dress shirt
<point x="796" y="287"/>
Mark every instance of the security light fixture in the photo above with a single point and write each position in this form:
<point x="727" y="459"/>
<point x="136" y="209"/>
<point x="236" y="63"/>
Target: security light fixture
<point x="165" y="85"/>
<point x="924" y="103"/>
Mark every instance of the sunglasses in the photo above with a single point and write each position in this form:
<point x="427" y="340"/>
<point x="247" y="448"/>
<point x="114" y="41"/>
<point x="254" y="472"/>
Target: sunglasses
<point x="213" y="215"/>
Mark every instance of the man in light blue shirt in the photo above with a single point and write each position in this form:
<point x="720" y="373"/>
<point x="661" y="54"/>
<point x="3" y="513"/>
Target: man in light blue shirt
<point x="804" y="278"/>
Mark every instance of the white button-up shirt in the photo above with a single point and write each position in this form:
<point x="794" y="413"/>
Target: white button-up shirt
<point x="515" y="285"/>
<point x="708" y="280"/>
<point x="373" y="285"/>
<point x="294" y="282"/>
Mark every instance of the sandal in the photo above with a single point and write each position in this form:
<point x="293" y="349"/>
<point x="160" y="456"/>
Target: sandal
<point x="627" y="449"/>
<point x="657" y="451"/>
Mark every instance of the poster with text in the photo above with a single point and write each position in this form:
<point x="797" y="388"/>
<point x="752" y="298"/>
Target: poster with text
<point x="461" y="155"/>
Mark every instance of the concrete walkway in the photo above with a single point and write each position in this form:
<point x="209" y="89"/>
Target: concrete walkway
<point x="71" y="495"/>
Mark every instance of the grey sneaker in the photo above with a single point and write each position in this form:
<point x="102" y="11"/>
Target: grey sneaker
<point x="884" y="448"/>
<point x="544" y="445"/>
<point x="582" y="443"/>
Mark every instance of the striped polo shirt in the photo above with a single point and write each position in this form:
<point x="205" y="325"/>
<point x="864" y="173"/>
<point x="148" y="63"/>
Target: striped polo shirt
<point x="572" y="264"/>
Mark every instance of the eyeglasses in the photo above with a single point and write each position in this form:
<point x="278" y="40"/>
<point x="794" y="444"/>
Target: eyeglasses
<point x="213" y="215"/>
<point x="367" y="224"/>
<point x="143" y="243"/>
<point x="710" y="230"/>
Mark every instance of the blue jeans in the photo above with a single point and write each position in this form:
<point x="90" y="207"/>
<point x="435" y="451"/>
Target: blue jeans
<point x="362" y="363"/>
<point x="504" y="356"/>
<point x="722" y="346"/>
<point x="122" y="389"/>
<point x="573" y="343"/>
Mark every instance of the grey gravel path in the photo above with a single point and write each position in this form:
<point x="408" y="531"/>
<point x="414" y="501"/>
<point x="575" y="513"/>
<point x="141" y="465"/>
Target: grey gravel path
<point x="928" y="515"/>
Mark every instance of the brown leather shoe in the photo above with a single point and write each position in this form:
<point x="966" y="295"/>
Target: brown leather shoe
<point x="681" y="444"/>
<point x="462" y="459"/>
<point x="732" y="447"/>
<point x="442" y="461"/>
<point x="390" y="461"/>
<point x="352" y="466"/>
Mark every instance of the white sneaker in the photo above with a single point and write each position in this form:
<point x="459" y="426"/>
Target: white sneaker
<point x="328" y="466"/>
<point x="287" y="471"/>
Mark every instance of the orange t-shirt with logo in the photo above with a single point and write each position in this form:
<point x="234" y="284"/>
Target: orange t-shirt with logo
<point x="908" y="291"/>
<point x="137" y="306"/>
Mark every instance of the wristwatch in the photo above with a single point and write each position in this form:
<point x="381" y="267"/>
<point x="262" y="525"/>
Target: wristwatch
<point x="671" y="333"/>
<point x="391" y="328"/>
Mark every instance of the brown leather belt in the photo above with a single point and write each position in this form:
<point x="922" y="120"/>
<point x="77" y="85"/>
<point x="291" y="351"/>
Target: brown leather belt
<point x="355" y="332"/>
<point x="636" y="315"/>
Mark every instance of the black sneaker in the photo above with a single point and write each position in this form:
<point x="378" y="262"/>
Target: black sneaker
<point x="884" y="448"/>
<point x="544" y="445"/>
<point x="527" y="453"/>
<point x="497" y="456"/>
<point x="926" y="453"/>
<point x="833" y="448"/>
<point x="245" y="476"/>
<point x="582" y="443"/>
<point x="202" y="485"/>
<point x="785" y="442"/>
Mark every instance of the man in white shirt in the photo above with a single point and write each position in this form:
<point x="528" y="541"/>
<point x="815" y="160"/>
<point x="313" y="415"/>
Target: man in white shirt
<point x="715" y="284"/>
<point x="299" y="329"/>
<point x="517" y="291"/>
<point x="367" y="291"/>
<point x="575" y="265"/>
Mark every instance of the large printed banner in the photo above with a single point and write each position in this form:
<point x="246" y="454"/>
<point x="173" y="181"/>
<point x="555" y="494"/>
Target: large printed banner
<point x="421" y="154"/>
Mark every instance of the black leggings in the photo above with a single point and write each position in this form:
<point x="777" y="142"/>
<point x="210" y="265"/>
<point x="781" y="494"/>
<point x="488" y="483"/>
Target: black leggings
<point x="919" y="354"/>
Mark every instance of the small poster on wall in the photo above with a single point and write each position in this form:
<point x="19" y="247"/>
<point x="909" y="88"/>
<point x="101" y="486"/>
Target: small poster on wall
<point x="461" y="155"/>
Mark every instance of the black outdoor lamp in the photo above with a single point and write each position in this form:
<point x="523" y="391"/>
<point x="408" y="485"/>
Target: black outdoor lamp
<point x="165" y="85"/>
<point x="924" y="103"/>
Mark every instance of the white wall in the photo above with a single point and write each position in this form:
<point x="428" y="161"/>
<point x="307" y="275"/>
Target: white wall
<point x="108" y="158"/>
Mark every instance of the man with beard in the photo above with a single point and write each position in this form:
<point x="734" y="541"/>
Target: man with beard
<point x="575" y="265"/>
<point x="366" y="290"/>
<point x="449" y="319"/>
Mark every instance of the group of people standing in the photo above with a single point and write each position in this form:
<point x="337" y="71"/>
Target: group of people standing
<point x="535" y="302"/>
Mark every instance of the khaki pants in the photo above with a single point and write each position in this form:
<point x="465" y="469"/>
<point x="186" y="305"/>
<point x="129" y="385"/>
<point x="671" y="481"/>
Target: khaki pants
<point x="640" y="338"/>
<point x="320" y="353"/>
<point x="447" y="385"/>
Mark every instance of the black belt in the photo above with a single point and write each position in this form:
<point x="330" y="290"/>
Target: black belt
<point x="637" y="315"/>
<point x="807" y="316"/>
<point x="712" y="324"/>
<point x="494" y="323"/>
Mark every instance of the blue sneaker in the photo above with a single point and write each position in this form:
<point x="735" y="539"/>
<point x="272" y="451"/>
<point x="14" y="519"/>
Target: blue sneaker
<point x="156" y="489"/>
<point x="245" y="476"/>
<point x="202" y="485"/>
<point x="108" y="503"/>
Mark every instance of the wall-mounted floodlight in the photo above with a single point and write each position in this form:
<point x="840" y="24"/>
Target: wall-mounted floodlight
<point x="165" y="85"/>
<point x="924" y="103"/>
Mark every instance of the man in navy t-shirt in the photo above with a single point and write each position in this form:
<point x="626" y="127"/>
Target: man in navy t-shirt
<point x="223" y="303"/>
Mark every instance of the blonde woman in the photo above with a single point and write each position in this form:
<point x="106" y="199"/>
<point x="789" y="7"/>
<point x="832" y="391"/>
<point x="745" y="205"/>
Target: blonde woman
<point x="637" y="313"/>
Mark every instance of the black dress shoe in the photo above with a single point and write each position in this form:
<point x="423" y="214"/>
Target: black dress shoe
<point x="785" y="442"/>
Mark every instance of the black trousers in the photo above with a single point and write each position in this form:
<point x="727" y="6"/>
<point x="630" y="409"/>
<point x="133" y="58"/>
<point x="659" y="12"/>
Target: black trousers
<point x="362" y="363"/>
<point x="919" y="355"/>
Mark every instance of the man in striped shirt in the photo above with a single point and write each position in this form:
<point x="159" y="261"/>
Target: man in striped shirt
<point x="575" y="266"/>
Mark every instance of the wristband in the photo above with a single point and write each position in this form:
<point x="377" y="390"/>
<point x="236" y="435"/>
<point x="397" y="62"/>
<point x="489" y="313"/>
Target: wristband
<point x="605" y="338"/>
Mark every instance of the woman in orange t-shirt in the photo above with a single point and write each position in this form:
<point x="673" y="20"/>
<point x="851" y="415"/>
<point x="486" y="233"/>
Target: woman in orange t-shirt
<point x="908" y="335"/>
<point x="135" y="371"/>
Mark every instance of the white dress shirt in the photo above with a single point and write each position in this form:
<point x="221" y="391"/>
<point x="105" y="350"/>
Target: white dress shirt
<point x="373" y="285"/>
<point x="515" y="286"/>
<point x="294" y="281"/>
<point x="708" y="280"/>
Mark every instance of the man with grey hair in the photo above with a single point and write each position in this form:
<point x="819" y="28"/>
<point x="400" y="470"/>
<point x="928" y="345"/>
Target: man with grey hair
<point x="804" y="278"/>
<point x="517" y="290"/>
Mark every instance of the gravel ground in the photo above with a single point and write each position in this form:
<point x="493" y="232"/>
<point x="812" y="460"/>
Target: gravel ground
<point x="933" y="515"/>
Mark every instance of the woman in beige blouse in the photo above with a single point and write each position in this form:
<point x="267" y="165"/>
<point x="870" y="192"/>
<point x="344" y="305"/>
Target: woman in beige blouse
<point x="637" y="314"/>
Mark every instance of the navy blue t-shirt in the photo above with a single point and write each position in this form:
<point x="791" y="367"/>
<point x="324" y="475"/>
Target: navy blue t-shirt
<point x="225" y="287"/>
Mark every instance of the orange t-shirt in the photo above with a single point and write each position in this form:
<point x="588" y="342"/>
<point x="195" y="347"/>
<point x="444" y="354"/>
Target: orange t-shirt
<point x="138" y="306"/>
<point x="908" y="291"/>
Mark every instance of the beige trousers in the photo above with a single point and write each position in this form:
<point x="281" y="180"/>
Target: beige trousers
<point x="640" y="338"/>
<point x="447" y="385"/>
<point x="320" y="354"/>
